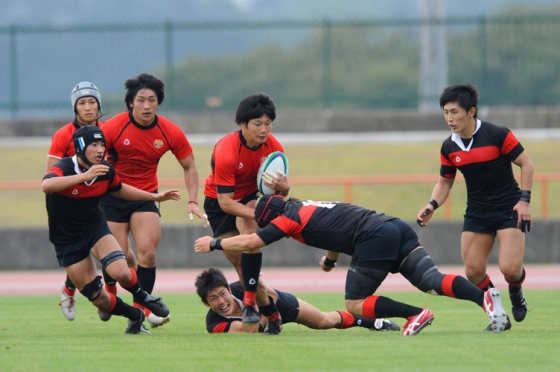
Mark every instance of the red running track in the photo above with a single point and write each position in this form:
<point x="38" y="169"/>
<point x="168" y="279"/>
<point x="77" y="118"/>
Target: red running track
<point x="286" y="279"/>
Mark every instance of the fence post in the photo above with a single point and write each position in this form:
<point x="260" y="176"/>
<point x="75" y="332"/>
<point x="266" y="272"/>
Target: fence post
<point x="326" y="63"/>
<point x="169" y="68"/>
<point x="14" y="104"/>
<point x="483" y="55"/>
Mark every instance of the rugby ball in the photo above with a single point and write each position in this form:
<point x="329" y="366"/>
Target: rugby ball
<point x="274" y="162"/>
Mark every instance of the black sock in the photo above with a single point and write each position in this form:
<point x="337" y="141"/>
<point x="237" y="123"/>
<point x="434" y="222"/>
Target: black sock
<point x="464" y="290"/>
<point x="348" y="320"/>
<point x="123" y="309"/>
<point x="270" y="310"/>
<point x="513" y="288"/>
<point x="387" y="308"/>
<point x="146" y="277"/>
<point x="107" y="278"/>
<point x="68" y="283"/>
<point x="251" y="268"/>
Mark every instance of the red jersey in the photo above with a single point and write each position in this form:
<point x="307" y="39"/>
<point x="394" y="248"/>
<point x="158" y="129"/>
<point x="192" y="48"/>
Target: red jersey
<point x="235" y="166"/>
<point x="62" y="144"/>
<point x="135" y="150"/>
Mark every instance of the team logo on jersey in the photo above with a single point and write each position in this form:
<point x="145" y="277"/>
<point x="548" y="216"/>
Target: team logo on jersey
<point x="75" y="192"/>
<point x="458" y="159"/>
<point x="240" y="165"/>
<point x="158" y="144"/>
<point x="252" y="281"/>
<point x="126" y="142"/>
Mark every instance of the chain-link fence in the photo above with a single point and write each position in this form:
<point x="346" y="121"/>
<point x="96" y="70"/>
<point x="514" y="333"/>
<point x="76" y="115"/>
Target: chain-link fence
<point x="323" y="64"/>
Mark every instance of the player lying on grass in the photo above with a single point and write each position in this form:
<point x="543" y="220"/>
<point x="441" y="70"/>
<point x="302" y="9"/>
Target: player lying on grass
<point x="379" y="245"/>
<point x="73" y="188"/>
<point x="225" y="314"/>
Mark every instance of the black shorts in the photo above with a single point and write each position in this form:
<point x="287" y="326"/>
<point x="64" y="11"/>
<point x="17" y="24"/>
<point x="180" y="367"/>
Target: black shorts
<point x="69" y="254"/>
<point x="288" y="306"/>
<point x="220" y="221"/>
<point x="119" y="210"/>
<point x="385" y="246"/>
<point x="489" y="220"/>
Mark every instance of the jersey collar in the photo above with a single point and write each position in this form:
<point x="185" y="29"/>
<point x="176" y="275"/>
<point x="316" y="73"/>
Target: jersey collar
<point x="139" y="125"/>
<point x="79" y="170"/>
<point x="455" y="138"/>
<point x="244" y="142"/>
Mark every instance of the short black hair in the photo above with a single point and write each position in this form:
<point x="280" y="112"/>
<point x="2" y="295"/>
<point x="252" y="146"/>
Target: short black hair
<point x="255" y="106"/>
<point x="209" y="280"/>
<point x="466" y="95"/>
<point x="143" y="81"/>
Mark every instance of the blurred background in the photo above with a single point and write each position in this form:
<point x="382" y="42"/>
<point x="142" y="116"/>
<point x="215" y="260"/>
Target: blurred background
<point x="357" y="78"/>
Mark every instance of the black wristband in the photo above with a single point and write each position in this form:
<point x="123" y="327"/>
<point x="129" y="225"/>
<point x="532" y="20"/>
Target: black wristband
<point x="329" y="263"/>
<point x="525" y="196"/>
<point x="434" y="204"/>
<point x="216" y="244"/>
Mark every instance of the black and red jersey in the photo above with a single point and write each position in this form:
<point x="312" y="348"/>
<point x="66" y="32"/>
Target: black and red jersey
<point x="235" y="166"/>
<point x="485" y="162"/>
<point x="62" y="144"/>
<point x="135" y="150"/>
<point x="331" y="226"/>
<point x="74" y="212"/>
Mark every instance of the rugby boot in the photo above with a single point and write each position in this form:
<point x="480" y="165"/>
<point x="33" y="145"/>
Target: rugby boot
<point x="416" y="323"/>
<point x="157" y="321"/>
<point x="251" y="315"/>
<point x="518" y="305"/>
<point x="385" y="325"/>
<point x="495" y="311"/>
<point x="155" y="305"/>
<point x="273" y="327"/>
<point x="135" y="326"/>
<point x="67" y="303"/>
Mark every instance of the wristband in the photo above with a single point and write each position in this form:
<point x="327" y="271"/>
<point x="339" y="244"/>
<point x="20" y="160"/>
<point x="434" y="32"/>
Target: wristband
<point x="525" y="196"/>
<point x="193" y="201"/>
<point x="329" y="263"/>
<point x="216" y="244"/>
<point x="434" y="204"/>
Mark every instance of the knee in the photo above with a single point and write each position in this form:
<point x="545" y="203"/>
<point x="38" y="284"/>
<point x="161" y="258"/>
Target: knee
<point x="147" y="257"/>
<point x="354" y="307"/>
<point x="123" y="276"/>
<point x="512" y="274"/>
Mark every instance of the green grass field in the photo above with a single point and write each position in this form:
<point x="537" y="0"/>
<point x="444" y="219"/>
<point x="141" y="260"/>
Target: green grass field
<point x="26" y="207"/>
<point x="34" y="336"/>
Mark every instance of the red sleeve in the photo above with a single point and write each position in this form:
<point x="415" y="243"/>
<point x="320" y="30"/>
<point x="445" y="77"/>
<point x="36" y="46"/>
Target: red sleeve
<point x="61" y="145"/>
<point x="509" y="143"/>
<point x="220" y="327"/>
<point x="180" y="146"/>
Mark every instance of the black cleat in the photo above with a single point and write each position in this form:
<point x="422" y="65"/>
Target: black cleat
<point x="251" y="315"/>
<point x="518" y="305"/>
<point x="385" y="325"/>
<point x="272" y="327"/>
<point x="103" y="316"/>
<point x="489" y="328"/>
<point x="135" y="326"/>
<point x="155" y="305"/>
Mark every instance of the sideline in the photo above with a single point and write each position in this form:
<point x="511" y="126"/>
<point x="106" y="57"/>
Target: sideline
<point x="320" y="138"/>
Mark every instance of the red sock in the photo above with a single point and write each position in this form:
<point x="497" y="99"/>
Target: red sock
<point x="69" y="292"/>
<point x="347" y="319"/>
<point x="249" y="298"/>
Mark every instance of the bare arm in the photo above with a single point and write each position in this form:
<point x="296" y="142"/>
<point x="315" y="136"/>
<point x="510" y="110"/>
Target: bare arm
<point x="239" y="243"/>
<point x="190" y="175"/>
<point x="238" y="327"/>
<point x="230" y="206"/>
<point x="56" y="184"/>
<point x="131" y="193"/>
<point x="523" y="208"/>
<point x="439" y="194"/>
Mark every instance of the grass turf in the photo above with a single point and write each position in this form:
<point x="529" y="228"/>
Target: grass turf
<point x="34" y="336"/>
